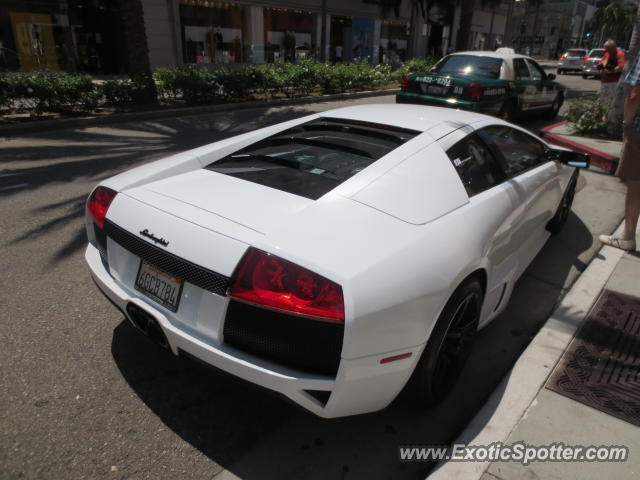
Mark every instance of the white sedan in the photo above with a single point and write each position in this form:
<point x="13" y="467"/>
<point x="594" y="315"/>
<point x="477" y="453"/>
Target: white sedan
<point x="337" y="258"/>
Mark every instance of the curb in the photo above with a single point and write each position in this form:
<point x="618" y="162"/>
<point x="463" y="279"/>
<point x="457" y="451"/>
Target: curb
<point x="518" y="389"/>
<point x="84" y="122"/>
<point x="601" y="159"/>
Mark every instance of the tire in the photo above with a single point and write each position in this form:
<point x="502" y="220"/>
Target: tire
<point x="585" y="76"/>
<point x="555" y="107"/>
<point x="509" y="111"/>
<point x="556" y="224"/>
<point x="448" y="347"/>
<point x="560" y="71"/>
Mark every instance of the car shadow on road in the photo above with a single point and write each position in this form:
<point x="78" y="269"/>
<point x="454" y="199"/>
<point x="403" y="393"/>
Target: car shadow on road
<point x="258" y="435"/>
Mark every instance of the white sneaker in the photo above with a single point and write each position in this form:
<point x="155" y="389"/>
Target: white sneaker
<point x="629" y="245"/>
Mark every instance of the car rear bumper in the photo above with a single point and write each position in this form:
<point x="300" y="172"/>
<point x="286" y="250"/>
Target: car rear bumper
<point x="361" y="385"/>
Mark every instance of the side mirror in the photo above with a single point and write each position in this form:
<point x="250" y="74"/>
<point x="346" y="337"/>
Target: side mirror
<point x="551" y="76"/>
<point x="571" y="158"/>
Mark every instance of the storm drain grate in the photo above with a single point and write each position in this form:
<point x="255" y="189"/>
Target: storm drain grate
<point x="601" y="367"/>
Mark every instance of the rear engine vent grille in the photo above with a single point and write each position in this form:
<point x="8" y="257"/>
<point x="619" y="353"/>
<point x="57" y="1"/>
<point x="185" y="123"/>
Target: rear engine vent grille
<point x="297" y="342"/>
<point x="176" y="266"/>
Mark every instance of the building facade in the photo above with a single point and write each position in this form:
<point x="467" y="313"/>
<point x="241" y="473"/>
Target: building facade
<point x="548" y="30"/>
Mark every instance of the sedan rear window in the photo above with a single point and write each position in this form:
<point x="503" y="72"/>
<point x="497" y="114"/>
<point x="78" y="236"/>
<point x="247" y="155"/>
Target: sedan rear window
<point x="313" y="158"/>
<point x="596" y="54"/>
<point x="472" y="65"/>
<point x="576" y="53"/>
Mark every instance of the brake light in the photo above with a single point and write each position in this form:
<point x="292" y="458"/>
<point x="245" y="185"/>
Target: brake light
<point x="271" y="281"/>
<point x="405" y="83"/>
<point x="585" y="58"/>
<point x="99" y="202"/>
<point x="563" y="56"/>
<point x="474" y="91"/>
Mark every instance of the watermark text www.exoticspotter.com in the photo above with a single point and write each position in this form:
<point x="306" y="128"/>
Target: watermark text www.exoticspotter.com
<point x="515" y="452"/>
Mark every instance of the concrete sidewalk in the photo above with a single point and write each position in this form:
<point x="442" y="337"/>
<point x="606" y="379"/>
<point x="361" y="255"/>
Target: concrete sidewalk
<point x="554" y="418"/>
<point x="604" y="153"/>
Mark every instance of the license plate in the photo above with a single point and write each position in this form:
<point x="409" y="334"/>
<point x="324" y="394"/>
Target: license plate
<point x="435" y="90"/>
<point x="159" y="286"/>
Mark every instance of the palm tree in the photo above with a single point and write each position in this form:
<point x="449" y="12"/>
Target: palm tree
<point x="615" y="112"/>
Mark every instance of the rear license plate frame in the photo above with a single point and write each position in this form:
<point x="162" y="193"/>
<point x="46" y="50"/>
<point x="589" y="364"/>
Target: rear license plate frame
<point x="168" y="299"/>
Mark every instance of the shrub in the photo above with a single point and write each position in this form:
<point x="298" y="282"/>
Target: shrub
<point x="299" y="78"/>
<point x="415" y="65"/>
<point x="586" y="115"/>
<point x="236" y="83"/>
<point x="121" y="93"/>
<point x="191" y="83"/>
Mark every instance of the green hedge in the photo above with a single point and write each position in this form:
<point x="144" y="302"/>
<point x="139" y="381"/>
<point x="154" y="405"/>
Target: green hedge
<point x="587" y="116"/>
<point x="48" y="92"/>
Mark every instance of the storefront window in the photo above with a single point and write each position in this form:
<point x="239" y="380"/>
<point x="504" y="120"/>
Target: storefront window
<point x="60" y="35"/>
<point x="212" y="32"/>
<point x="394" y="38"/>
<point x="290" y="35"/>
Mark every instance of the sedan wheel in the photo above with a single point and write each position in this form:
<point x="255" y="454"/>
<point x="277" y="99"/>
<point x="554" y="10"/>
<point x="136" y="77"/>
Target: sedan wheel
<point x="508" y="111"/>
<point x="555" y="107"/>
<point x="448" y="347"/>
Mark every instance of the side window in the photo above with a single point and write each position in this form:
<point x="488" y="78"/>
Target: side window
<point x="536" y="72"/>
<point x="475" y="164"/>
<point x="520" y="70"/>
<point x="516" y="151"/>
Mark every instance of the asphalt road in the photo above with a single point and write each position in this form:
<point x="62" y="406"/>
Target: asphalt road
<point x="85" y="396"/>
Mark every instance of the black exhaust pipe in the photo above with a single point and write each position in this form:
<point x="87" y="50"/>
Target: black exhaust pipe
<point x="146" y="323"/>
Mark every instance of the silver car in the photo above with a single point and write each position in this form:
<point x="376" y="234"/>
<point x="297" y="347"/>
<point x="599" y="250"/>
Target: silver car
<point x="590" y="67"/>
<point x="572" y="60"/>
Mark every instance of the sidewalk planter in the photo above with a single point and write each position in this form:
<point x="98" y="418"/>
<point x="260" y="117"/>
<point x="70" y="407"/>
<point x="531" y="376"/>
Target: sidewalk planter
<point x="38" y="93"/>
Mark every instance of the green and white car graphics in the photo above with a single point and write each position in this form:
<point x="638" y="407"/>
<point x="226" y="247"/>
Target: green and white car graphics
<point x="498" y="83"/>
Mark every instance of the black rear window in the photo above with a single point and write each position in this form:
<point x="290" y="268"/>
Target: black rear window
<point x="576" y="53"/>
<point x="472" y="65"/>
<point x="313" y="158"/>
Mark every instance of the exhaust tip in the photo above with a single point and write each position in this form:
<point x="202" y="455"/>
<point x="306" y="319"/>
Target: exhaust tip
<point x="147" y="324"/>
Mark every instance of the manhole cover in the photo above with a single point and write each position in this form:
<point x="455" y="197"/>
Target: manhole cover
<point x="601" y="367"/>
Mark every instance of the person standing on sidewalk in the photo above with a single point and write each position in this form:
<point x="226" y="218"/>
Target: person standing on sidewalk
<point x="610" y="68"/>
<point x="629" y="168"/>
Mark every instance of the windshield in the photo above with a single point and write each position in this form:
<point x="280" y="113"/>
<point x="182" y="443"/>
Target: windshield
<point x="596" y="53"/>
<point x="313" y="158"/>
<point x="576" y="53"/>
<point x="472" y="65"/>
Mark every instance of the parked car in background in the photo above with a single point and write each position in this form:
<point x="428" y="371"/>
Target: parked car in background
<point x="590" y="67"/>
<point x="337" y="257"/>
<point x="500" y="83"/>
<point x="572" y="60"/>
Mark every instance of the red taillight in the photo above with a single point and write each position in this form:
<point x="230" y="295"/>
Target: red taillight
<point x="585" y="58"/>
<point x="473" y="91"/>
<point x="562" y="57"/>
<point x="270" y="281"/>
<point x="405" y="83"/>
<point x="99" y="202"/>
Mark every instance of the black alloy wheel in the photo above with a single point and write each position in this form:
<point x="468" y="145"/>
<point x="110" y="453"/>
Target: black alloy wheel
<point x="557" y="223"/>
<point x="448" y="347"/>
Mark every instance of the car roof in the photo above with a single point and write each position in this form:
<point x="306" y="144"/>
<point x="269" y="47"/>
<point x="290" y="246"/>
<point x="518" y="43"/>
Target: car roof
<point x="491" y="53"/>
<point x="413" y="117"/>
<point x="576" y="49"/>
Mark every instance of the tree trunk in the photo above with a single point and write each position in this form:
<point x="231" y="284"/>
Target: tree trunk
<point x="137" y="51"/>
<point x="617" y="107"/>
<point x="466" y="19"/>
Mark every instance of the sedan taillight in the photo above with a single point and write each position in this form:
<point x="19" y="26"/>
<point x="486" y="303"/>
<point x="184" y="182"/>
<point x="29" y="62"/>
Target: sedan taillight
<point x="98" y="204"/>
<point x="267" y="280"/>
<point x="473" y="91"/>
<point x="405" y="83"/>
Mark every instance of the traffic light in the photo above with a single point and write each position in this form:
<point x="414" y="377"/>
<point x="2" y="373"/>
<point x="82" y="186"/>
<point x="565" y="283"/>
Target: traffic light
<point x="587" y="35"/>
